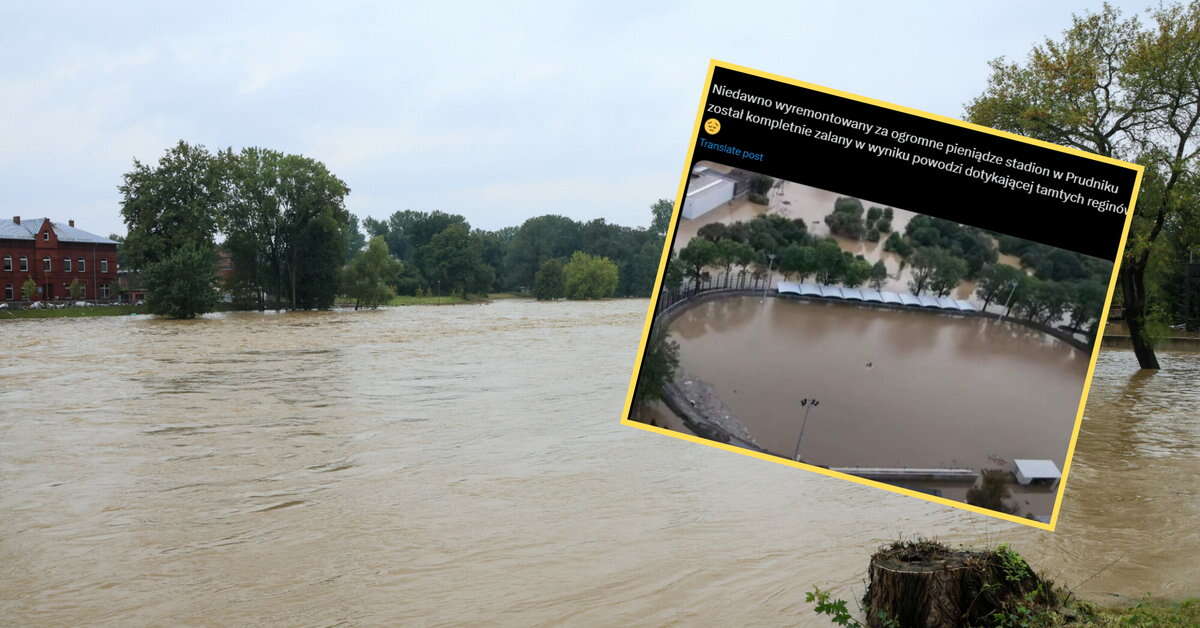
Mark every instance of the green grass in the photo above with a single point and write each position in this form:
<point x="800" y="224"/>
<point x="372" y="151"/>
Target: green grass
<point x="1147" y="613"/>
<point x="73" y="312"/>
<point x="428" y="300"/>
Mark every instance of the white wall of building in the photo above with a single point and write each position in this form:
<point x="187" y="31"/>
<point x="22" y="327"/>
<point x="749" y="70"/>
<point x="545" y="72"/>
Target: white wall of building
<point x="706" y="196"/>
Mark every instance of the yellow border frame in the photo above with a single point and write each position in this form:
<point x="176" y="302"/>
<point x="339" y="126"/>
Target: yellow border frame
<point x="662" y="264"/>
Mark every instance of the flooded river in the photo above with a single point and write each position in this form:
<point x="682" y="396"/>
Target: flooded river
<point x="465" y="465"/>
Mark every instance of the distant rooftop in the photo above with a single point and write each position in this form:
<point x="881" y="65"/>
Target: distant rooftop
<point x="27" y="229"/>
<point x="1037" y="469"/>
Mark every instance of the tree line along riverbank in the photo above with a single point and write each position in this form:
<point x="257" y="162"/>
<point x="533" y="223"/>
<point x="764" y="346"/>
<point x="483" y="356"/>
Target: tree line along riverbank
<point x="269" y="230"/>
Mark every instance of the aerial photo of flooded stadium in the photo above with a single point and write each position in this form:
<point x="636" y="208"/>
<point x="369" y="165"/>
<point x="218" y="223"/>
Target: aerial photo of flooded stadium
<point x="872" y="340"/>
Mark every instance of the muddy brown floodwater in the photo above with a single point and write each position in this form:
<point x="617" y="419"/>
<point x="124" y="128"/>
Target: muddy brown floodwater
<point x="465" y="465"/>
<point x="896" y="388"/>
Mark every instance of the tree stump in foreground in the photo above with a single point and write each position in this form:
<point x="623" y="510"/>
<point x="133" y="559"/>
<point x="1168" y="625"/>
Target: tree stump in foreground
<point x="923" y="583"/>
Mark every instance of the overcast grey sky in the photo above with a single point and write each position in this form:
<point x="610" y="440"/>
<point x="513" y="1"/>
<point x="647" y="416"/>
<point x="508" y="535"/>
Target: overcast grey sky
<point x="499" y="112"/>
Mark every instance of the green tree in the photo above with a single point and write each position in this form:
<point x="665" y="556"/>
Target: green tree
<point x="643" y="269"/>
<point x="75" y="290"/>
<point x="673" y="277"/>
<point x="172" y="211"/>
<point x="494" y="245"/>
<point x="589" y="277"/>
<point x="539" y="239"/>
<point x="698" y="254"/>
<point x="315" y="260"/>
<point x="353" y="235"/>
<point x="897" y="244"/>
<point x="743" y="255"/>
<point x="28" y="289"/>
<point x="453" y="261"/>
<point x="949" y="272"/>
<point x="830" y="264"/>
<point x="368" y="277"/>
<point x="313" y="221"/>
<point x="847" y="218"/>
<point x="182" y="284"/>
<point x="1112" y="87"/>
<point x="175" y="204"/>
<point x="660" y="217"/>
<point x="856" y="271"/>
<point x="924" y="267"/>
<point x="120" y="240"/>
<point x="1087" y="299"/>
<point x="760" y="184"/>
<point x="253" y="226"/>
<point x="727" y="254"/>
<point x="548" y="283"/>
<point x="659" y="364"/>
<point x="996" y="282"/>
<point x="879" y="275"/>
<point x="796" y="259"/>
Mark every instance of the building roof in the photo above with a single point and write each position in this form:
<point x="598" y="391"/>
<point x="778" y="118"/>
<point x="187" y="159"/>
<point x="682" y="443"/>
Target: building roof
<point x="29" y="228"/>
<point x="1037" y="469"/>
<point x="830" y="291"/>
<point x="875" y="296"/>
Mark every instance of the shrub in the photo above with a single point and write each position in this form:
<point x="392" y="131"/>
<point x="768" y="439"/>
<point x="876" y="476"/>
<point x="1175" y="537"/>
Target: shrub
<point x="589" y="277"/>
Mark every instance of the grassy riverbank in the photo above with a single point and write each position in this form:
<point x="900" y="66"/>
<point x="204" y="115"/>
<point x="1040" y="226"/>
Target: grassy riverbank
<point x="401" y="301"/>
<point x="122" y="310"/>
<point x="74" y="312"/>
<point x="1147" y="613"/>
<point x="924" y="582"/>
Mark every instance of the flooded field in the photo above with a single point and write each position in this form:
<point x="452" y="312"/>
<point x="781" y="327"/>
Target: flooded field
<point x="896" y="388"/>
<point x="445" y="466"/>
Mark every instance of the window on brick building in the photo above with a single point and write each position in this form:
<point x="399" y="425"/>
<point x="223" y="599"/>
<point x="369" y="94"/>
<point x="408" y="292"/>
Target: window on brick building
<point x="47" y="265"/>
<point x="8" y="292"/>
<point x="104" y="265"/>
<point x="66" y="264"/>
<point x="103" y="291"/>
<point x="8" y="263"/>
<point x="24" y="264"/>
<point x="45" y="235"/>
<point x="81" y="265"/>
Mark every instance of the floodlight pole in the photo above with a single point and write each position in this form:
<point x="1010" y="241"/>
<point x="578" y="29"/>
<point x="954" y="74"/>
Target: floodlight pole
<point x="808" y="406"/>
<point x="1008" y="302"/>
<point x="767" y="281"/>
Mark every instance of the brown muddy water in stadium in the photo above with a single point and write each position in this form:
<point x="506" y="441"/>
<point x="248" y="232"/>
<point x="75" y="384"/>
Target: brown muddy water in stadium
<point x="464" y="465"/>
<point x="896" y="388"/>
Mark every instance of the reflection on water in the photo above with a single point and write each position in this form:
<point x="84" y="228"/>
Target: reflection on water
<point x="896" y="388"/>
<point x="464" y="465"/>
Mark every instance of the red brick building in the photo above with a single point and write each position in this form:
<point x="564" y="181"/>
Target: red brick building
<point x="54" y="255"/>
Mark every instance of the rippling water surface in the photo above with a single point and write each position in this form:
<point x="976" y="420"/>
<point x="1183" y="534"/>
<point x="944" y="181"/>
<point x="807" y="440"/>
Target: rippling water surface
<point x="465" y="465"/>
